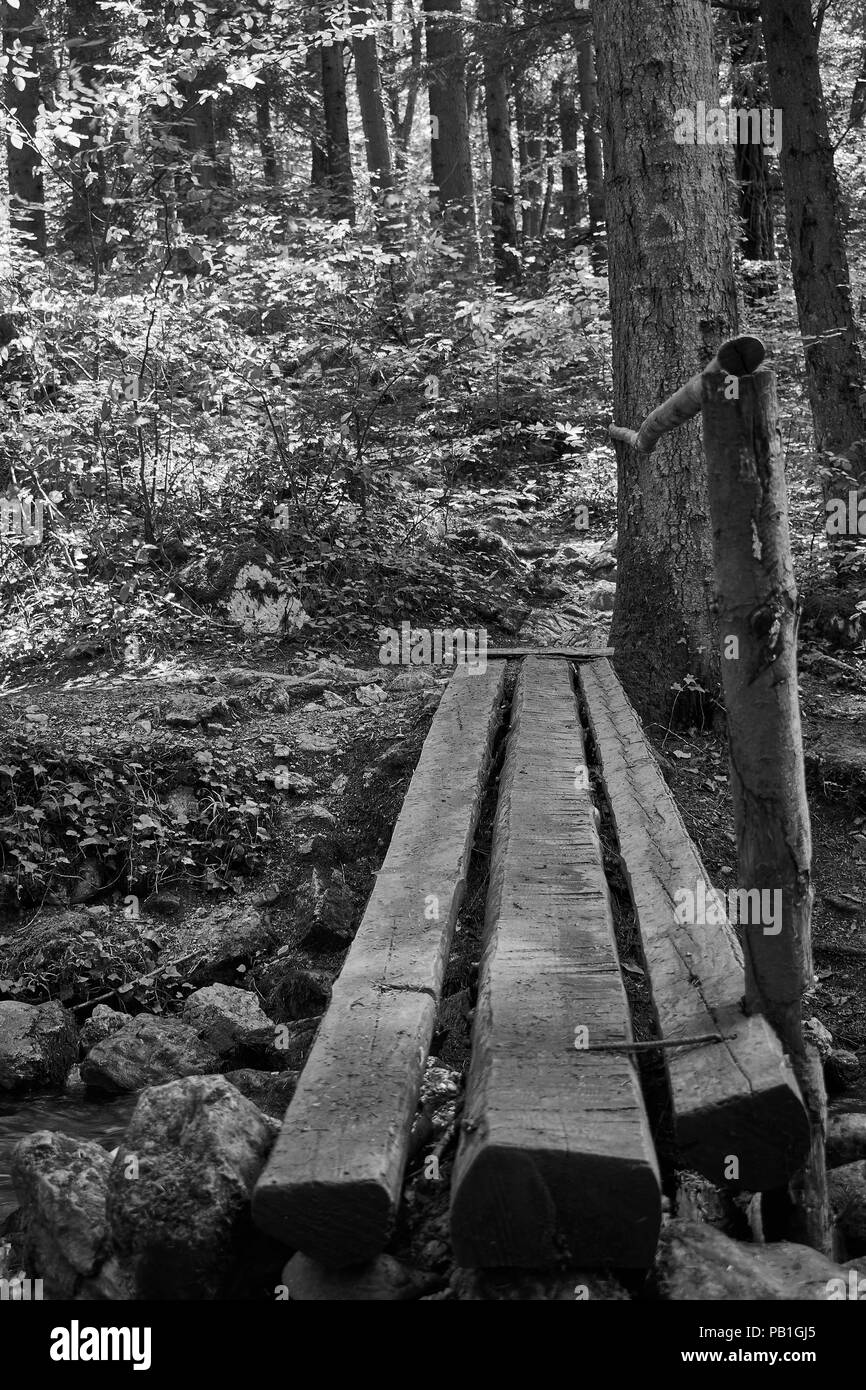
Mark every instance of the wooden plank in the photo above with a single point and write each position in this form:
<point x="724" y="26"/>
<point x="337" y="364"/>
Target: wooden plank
<point x="733" y="1099"/>
<point x="575" y="653"/>
<point x="332" y="1183"/>
<point x="555" y="1158"/>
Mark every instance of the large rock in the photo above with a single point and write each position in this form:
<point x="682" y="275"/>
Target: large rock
<point x="232" y="1022"/>
<point x="179" y="1191"/>
<point x="383" y="1280"/>
<point x="100" y="1025"/>
<point x="226" y="937"/>
<point x="847" y="1190"/>
<point x="697" y="1262"/>
<point x="846" y="1139"/>
<point x="38" y="1044"/>
<point x="271" y="1091"/>
<point x="147" y="1051"/>
<point x="61" y="1184"/>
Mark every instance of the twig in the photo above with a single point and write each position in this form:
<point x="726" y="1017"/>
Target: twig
<point x="701" y="1038"/>
<point x="148" y="975"/>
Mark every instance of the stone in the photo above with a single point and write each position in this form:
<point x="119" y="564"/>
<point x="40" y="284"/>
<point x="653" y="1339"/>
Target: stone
<point x="841" y="1070"/>
<point x="61" y="1185"/>
<point x="165" y="904"/>
<point x="179" y="1190"/>
<point x="383" y="1280"/>
<point x="601" y="596"/>
<point x="846" y="1139"/>
<point x="414" y="681"/>
<point x="227" y="936"/>
<point x="820" y="1037"/>
<point x="294" y="993"/>
<point x="847" y="1191"/>
<point x="698" y="1263"/>
<point x="147" y="1051"/>
<point x="101" y="1024"/>
<point x="231" y="1021"/>
<point x="38" y="1044"/>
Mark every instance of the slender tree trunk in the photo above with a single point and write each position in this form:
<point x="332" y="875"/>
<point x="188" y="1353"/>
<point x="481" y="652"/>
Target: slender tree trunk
<point x="204" y="129"/>
<point x="531" y="145"/>
<point x="819" y="264"/>
<point x="87" y="215"/>
<point x="264" y="127"/>
<point x="550" y="176"/>
<point x="672" y="303"/>
<point x="593" y="160"/>
<point x="750" y="92"/>
<point x="450" y="154"/>
<point x="24" y="166"/>
<point x="858" y="96"/>
<point x="373" y="115"/>
<point x="568" y="126"/>
<point x="502" y="211"/>
<point x="339" y="155"/>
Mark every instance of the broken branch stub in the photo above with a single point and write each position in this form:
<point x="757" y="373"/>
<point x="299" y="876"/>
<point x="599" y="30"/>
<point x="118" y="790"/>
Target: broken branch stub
<point x="737" y="357"/>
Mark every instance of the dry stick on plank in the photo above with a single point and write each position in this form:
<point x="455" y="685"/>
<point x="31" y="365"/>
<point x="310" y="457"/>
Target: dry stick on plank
<point x="737" y="1097"/>
<point x="332" y="1183"/>
<point x="757" y="607"/>
<point x="555" y="1157"/>
<point x="735" y="357"/>
<point x="575" y="653"/>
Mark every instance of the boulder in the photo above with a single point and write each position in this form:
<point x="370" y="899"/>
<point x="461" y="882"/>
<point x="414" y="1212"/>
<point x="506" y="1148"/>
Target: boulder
<point x="271" y="1091"/>
<point x="846" y="1139"/>
<point x="179" y="1190"/>
<point x="226" y="937"/>
<point x="841" y="1069"/>
<point x="61" y="1184"/>
<point x="847" y="1191"/>
<point x="695" y="1262"/>
<point x="147" y="1051"/>
<point x="38" y="1044"/>
<point x="232" y="1022"/>
<point x="101" y="1024"/>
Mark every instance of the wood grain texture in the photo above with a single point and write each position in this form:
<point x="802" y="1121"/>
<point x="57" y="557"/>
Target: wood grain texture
<point x="734" y="1098"/>
<point x="332" y="1183"/>
<point x="555" y="1157"/>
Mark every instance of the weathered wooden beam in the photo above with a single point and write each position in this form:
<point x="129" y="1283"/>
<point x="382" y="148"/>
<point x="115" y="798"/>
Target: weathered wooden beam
<point x="736" y="1099"/>
<point x="332" y="1184"/>
<point x="575" y="653"/>
<point x="555" y="1158"/>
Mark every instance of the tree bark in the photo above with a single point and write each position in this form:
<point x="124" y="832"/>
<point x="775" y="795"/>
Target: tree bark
<point x="819" y="264"/>
<point x="87" y="215"/>
<point x="750" y="91"/>
<point x="568" y="126"/>
<point x="265" y="129"/>
<point x="493" y="15"/>
<point x="24" y="166"/>
<point x="450" y="154"/>
<point x="672" y="302"/>
<point x="530" y="113"/>
<point x="373" y="116"/>
<point x="757" y="608"/>
<point x="339" y="156"/>
<point x="593" y="160"/>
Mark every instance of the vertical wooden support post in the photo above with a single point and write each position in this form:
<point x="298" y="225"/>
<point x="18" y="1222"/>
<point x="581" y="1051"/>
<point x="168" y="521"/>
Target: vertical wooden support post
<point x="756" y="604"/>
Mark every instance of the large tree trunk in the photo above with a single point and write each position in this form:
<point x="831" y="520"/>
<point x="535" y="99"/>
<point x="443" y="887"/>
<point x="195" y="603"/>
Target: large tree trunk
<point x="24" y="166"/>
<point x="593" y="160"/>
<point x="750" y="92"/>
<point x="204" y="129"/>
<point x="450" y="154"/>
<point x="672" y="303"/>
<point x="531" y="119"/>
<point x="502" y="213"/>
<point x="373" y="115"/>
<point x="339" y="155"/>
<point x="819" y="265"/>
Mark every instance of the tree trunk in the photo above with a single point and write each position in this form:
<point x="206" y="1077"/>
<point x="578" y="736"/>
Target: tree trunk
<point x="450" y="154"/>
<point x="502" y="213"/>
<point x="87" y="216"/>
<point x="204" y="130"/>
<point x="568" y="143"/>
<point x="264" y="126"/>
<point x="672" y="303"/>
<point x="819" y="264"/>
<point x="24" y="166"/>
<point x="373" y="115"/>
<point x="592" y="150"/>
<point x="340" y="180"/>
<point x="531" y="144"/>
<point x="858" y="96"/>
<point x="750" y="92"/>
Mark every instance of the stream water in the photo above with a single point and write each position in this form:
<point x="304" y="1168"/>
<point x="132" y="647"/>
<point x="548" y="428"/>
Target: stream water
<point x="102" y="1121"/>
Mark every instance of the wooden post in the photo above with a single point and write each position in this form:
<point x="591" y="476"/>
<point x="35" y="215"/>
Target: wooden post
<point x="757" y="607"/>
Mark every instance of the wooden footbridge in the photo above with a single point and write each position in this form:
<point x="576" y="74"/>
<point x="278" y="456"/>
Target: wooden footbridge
<point x="556" y="1156"/>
